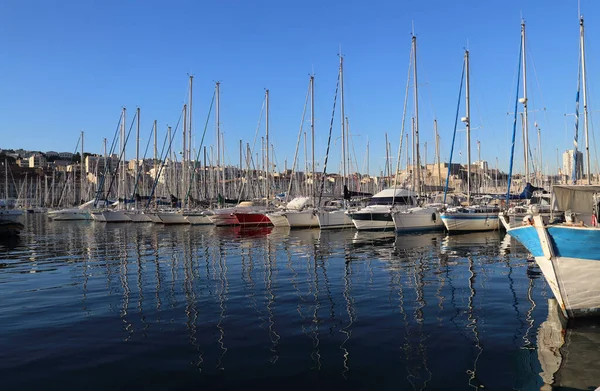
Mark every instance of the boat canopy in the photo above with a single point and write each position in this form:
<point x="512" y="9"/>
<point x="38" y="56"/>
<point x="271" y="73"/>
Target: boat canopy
<point x="299" y="203"/>
<point x="576" y="198"/>
<point x="397" y="192"/>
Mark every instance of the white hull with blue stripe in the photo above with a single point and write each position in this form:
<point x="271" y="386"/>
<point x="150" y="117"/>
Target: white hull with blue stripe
<point x="569" y="257"/>
<point x="468" y="218"/>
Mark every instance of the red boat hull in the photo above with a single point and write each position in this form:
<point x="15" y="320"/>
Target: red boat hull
<point x="255" y="219"/>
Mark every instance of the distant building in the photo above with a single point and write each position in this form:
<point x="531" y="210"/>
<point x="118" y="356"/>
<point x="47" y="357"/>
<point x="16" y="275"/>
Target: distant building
<point x="52" y="154"/>
<point x="37" y="160"/>
<point x="568" y="164"/>
<point x="100" y="164"/>
<point x="65" y="155"/>
<point x="60" y="165"/>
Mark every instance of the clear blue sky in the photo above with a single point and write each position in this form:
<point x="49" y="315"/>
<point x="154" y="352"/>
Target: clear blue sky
<point x="70" y="66"/>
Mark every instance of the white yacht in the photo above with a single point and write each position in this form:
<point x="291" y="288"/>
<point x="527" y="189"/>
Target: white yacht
<point x="377" y="215"/>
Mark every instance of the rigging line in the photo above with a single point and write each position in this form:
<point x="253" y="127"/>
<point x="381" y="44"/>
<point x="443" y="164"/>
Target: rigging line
<point x="329" y="138"/>
<point x="112" y="180"/>
<point x="139" y="170"/>
<point x="512" y="145"/>
<point x="163" y="158"/>
<point x="252" y="150"/>
<point x="106" y="166"/>
<point x="68" y="174"/>
<point x="299" y="139"/>
<point x="576" y="137"/>
<point x="403" y="121"/>
<point x="200" y="148"/>
<point x="462" y="78"/>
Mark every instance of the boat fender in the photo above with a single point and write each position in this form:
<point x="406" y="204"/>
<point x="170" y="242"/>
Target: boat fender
<point x="528" y="220"/>
<point x="433" y="217"/>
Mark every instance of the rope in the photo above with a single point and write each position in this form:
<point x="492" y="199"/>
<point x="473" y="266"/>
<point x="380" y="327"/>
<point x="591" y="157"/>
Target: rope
<point x="462" y="78"/>
<point x="298" y="143"/>
<point x="106" y="166"/>
<point x="163" y="159"/>
<point x="112" y="180"/>
<point x="337" y="87"/>
<point x="139" y="170"/>
<point x="410" y="60"/>
<point x="187" y="195"/>
<point x="512" y="146"/>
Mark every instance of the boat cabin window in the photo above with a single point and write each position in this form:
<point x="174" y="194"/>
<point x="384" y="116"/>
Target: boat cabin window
<point x="404" y="200"/>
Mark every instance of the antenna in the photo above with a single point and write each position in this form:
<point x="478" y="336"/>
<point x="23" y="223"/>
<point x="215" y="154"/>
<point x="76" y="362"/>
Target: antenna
<point x="413" y="27"/>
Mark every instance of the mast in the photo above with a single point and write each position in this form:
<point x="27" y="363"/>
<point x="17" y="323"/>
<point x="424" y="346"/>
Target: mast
<point x="137" y="153"/>
<point x="343" y="119"/>
<point x="413" y="174"/>
<point x="524" y="101"/>
<point x="267" y="168"/>
<point x="188" y="141"/>
<point x="437" y="152"/>
<point x="467" y="121"/>
<point x="312" y="131"/>
<point x="183" y="154"/>
<point x="417" y="157"/>
<point x="218" y="120"/>
<point x="585" y="111"/>
<point x="81" y="170"/>
<point x="190" y="125"/>
<point x="124" y="180"/>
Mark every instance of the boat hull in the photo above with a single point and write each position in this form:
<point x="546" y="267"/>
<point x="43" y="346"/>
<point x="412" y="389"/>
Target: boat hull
<point x="115" y="216"/>
<point x="10" y="214"/>
<point x="223" y="218"/>
<point x="468" y="222"/>
<point x="197" y="219"/>
<point x="302" y="219"/>
<point x="69" y="214"/>
<point x="369" y="220"/>
<point x="138" y="217"/>
<point x="334" y="219"/>
<point x="569" y="257"/>
<point x="172" y="218"/>
<point x="252" y="219"/>
<point x="418" y="219"/>
<point x="278" y="219"/>
<point x="153" y="216"/>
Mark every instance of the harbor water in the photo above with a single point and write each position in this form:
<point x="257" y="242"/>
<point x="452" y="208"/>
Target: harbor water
<point x="97" y="306"/>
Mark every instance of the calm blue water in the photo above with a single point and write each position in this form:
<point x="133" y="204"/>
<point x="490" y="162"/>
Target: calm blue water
<point x="124" y="306"/>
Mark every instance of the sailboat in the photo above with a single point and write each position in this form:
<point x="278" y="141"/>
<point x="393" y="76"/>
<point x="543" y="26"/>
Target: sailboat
<point x="531" y="196"/>
<point x="300" y="211"/>
<point x="258" y="217"/>
<point x="471" y="217"/>
<point x="334" y="215"/>
<point x="567" y="252"/>
<point x="417" y="217"/>
<point x="117" y="212"/>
